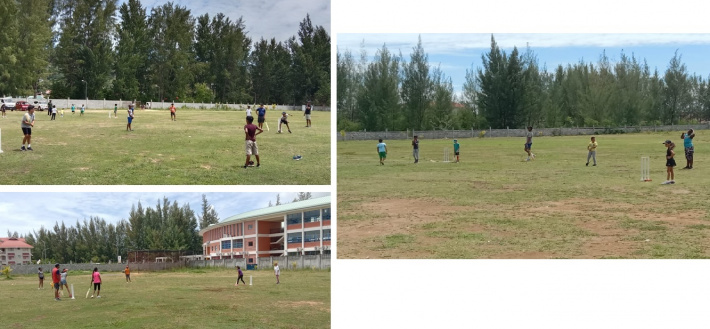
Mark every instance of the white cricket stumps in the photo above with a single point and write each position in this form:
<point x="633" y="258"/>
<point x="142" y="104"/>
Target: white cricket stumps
<point x="645" y="169"/>
<point x="0" y="140"/>
<point x="446" y="155"/>
<point x="250" y="280"/>
<point x="72" y="291"/>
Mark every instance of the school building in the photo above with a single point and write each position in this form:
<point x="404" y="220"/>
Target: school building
<point x="298" y="228"/>
<point x="15" y="251"/>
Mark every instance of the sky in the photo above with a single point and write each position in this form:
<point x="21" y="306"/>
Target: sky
<point x="455" y="53"/>
<point x="25" y="212"/>
<point x="266" y="19"/>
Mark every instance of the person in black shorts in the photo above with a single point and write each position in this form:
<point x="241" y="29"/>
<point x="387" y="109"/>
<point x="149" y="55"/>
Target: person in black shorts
<point x="28" y="121"/>
<point x="261" y="113"/>
<point x="307" y="114"/>
<point x="670" y="162"/>
<point x="284" y="120"/>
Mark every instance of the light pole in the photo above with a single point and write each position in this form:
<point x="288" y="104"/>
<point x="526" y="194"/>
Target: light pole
<point x="86" y="96"/>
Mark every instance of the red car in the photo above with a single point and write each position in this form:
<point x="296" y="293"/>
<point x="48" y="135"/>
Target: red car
<point x="21" y="105"/>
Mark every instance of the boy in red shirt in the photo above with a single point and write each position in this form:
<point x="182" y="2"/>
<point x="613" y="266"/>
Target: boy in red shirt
<point x="56" y="277"/>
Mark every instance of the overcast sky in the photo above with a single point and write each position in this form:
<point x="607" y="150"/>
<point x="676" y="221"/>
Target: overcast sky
<point x="25" y="212"/>
<point x="263" y="18"/>
<point x="455" y="53"/>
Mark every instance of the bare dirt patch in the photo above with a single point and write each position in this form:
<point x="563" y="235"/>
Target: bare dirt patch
<point x="612" y="227"/>
<point x="206" y="166"/>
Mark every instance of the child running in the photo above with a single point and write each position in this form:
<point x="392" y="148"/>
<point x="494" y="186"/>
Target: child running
<point x="592" y="148"/>
<point x="528" y="144"/>
<point x="382" y="150"/>
<point x="456" y="150"/>
<point x="96" y="279"/>
<point x="670" y="162"/>
<point x="241" y="276"/>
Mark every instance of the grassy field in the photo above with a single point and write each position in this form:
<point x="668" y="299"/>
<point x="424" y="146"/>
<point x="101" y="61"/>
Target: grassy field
<point x="201" y="147"/>
<point x="495" y="205"/>
<point x="198" y="298"/>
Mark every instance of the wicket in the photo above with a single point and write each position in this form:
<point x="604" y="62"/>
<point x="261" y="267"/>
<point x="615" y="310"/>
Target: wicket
<point x="645" y="169"/>
<point x="0" y="141"/>
<point x="446" y="155"/>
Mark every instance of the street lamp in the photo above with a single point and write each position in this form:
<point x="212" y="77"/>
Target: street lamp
<point x="86" y="96"/>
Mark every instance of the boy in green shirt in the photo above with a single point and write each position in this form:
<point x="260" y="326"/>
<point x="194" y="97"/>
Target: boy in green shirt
<point x="456" y="150"/>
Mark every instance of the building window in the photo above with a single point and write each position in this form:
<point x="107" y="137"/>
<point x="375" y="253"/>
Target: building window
<point x="293" y="219"/>
<point x="251" y="260"/>
<point x="326" y="235"/>
<point x="250" y="243"/>
<point x="294" y="237"/>
<point x="312" y="236"/>
<point x="239" y="244"/>
<point x="326" y="214"/>
<point x="326" y="252"/>
<point x="250" y="227"/>
<point x="314" y="252"/>
<point x="226" y="244"/>
<point x="311" y="216"/>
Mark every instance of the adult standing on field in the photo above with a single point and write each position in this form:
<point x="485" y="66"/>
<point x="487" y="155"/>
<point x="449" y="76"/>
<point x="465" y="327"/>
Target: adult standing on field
<point x="250" y="130"/>
<point x="56" y="278"/>
<point x="130" y="118"/>
<point x="28" y="121"/>
<point x="49" y="106"/>
<point x="261" y="112"/>
<point x="172" y="112"/>
<point x="528" y="144"/>
<point x="689" y="148"/>
<point x="115" y="110"/>
<point x="307" y="114"/>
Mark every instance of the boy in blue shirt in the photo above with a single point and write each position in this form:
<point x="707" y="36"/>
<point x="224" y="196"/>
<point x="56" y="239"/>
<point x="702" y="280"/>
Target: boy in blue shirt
<point x="689" y="149"/>
<point x="382" y="150"/>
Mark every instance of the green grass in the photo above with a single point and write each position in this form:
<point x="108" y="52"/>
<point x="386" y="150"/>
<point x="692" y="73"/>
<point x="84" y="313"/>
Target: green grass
<point x="496" y="205"/>
<point x="202" y="147"/>
<point x="180" y="299"/>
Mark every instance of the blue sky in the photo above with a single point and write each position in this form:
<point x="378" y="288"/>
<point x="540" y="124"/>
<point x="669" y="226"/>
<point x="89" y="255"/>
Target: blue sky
<point x="457" y="52"/>
<point x="263" y="18"/>
<point x="23" y="212"/>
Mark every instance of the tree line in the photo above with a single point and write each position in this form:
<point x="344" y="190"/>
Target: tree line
<point x="97" y="50"/>
<point x="166" y="226"/>
<point x="512" y="90"/>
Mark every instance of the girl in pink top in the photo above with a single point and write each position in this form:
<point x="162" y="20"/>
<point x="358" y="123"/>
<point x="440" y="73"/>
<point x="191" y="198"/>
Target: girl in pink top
<point x="96" y="279"/>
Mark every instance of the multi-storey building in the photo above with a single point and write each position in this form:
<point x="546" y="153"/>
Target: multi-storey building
<point x="15" y="251"/>
<point x="291" y="229"/>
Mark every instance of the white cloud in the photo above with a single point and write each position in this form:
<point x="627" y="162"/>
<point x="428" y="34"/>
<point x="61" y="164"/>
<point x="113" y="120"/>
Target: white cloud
<point x="277" y="19"/>
<point x="461" y="43"/>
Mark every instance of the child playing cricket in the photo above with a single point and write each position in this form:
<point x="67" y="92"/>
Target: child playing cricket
<point x="63" y="282"/>
<point x="96" y="280"/>
<point x="241" y="276"/>
<point x="382" y="150"/>
<point x="456" y="150"/>
<point x="689" y="150"/>
<point x="277" y="272"/>
<point x="592" y="148"/>
<point x="670" y="162"/>
<point x="528" y="144"/>
<point x="127" y="272"/>
<point x="284" y="120"/>
<point x="415" y="149"/>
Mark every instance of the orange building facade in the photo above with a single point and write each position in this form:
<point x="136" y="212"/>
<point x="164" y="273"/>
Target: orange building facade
<point x="291" y="229"/>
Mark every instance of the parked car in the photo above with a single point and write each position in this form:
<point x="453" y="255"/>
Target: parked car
<point x="22" y="105"/>
<point x="41" y="105"/>
<point x="8" y="103"/>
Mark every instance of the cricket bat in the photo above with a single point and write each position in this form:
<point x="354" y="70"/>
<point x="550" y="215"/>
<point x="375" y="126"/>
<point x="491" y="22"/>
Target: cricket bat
<point x="267" y="126"/>
<point x="87" y="292"/>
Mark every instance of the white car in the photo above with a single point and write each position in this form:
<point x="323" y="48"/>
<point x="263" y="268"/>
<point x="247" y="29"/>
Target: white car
<point x="40" y="105"/>
<point x="8" y="102"/>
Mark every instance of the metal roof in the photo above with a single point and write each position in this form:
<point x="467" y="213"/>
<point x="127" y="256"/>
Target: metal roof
<point x="274" y="211"/>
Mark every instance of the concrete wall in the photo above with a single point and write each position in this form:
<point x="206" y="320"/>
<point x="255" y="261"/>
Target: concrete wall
<point x="115" y="267"/>
<point x="93" y="104"/>
<point x="285" y="262"/>
<point x="450" y="134"/>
